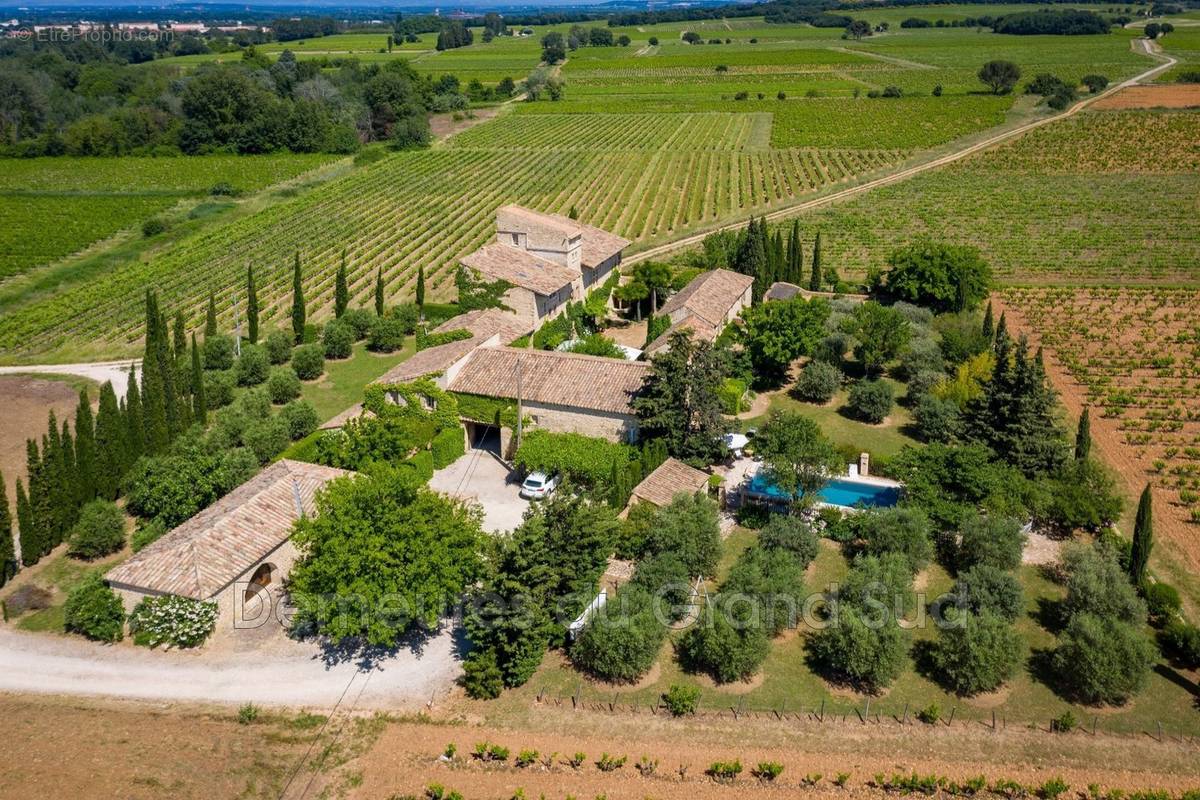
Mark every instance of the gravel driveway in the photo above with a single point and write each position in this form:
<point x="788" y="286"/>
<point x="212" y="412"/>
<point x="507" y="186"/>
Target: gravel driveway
<point x="100" y="371"/>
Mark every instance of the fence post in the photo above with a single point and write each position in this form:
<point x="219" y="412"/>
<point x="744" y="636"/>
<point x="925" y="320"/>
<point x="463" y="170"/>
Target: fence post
<point x="993" y="719"/>
<point x="867" y="710"/>
<point x="905" y="722"/>
<point x="950" y="721"/>
<point x="821" y="716"/>
<point x="1094" y="718"/>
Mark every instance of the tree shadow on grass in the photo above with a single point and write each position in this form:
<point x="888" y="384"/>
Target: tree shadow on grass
<point x="1180" y="680"/>
<point x="1049" y="614"/>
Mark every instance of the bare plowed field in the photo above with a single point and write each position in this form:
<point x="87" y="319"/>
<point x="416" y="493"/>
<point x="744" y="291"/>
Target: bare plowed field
<point x="1132" y="356"/>
<point x="26" y="401"/>
<point x="1181" y="95"/>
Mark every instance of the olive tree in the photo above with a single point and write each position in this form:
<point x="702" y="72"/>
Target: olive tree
<point x="1000" y="76"/>
<point x="865" y="653"/>
<point x="976" y="652"/>
<point x="1102" y="659"/>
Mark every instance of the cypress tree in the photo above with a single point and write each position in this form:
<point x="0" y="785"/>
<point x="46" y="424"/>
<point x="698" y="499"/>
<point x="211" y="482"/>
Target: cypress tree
<point x="85" y="448"/>
<point x="154" y="410"/>
<point x="72" y="489"/>
<point x="210" y="319"/>
<point x="1001" y="330"/>
<point x="989" y="325"/>
<point x="1083" y="436"/>
<point x="379" y="293"/>
<point x="251" y="307"/>
<point x="1143" y="539"/>
<point x="751" y="258"/>
<point x="39" y="505"/>
<point x="814" y="280"/>
<point x="110" y="459"/>
<point x="778" y="261"/>
<point x="8" y="553"/>
<point x="795" y="268"/>
<point x="421" y="288"/>
<point x="297" y="301"/>
<point x="341" y="291"/>
<point x="166" y="367"/>
<point x="135" y="425"/>
<point x="199" y="401"/>
<point x="58" y="491"/>
<point x="27" y="528"/>
<point x="179" y="337"/>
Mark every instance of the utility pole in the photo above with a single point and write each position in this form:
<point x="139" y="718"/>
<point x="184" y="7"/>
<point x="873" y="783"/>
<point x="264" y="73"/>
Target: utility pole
<point x="519" y="414"/>
<point x="237" y="326"/>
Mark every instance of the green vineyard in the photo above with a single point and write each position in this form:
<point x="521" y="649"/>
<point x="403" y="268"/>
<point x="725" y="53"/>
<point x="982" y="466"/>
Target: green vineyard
<point x="647" y="182"/>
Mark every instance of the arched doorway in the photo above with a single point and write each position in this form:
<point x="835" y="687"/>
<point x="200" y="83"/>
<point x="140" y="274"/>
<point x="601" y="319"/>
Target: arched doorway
<point x="261" y="579"/>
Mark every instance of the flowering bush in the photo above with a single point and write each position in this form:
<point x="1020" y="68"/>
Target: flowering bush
<point x="172" y="620"/>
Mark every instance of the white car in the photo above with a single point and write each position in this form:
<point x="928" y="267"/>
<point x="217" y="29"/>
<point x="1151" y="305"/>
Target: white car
<point x="538" y="486"/>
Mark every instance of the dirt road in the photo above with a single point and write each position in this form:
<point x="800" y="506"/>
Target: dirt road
<point x="1143" y="46"/>
<point x="98" y="371"/>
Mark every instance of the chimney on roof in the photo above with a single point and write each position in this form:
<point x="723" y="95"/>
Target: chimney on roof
<point x="296" y="499"/>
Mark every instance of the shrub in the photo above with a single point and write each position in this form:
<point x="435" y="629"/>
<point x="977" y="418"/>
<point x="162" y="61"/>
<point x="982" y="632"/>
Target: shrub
<point x="218" y="388"/>
<point x="308" y="360"/>
<point x="386" y="336"/>
<point x="95" y="611"/>
<point x="818" y="382"/>
<point x="300" y="418"/>
<point x="99" y="531"/>
<point x="218" y="352"/>
<point x="681" y="700"/>
<point x="408" y="315"/>
<point x="923" y="354"/>
<point x="607" y="763"/>
<point x="360" y="321"/>
<point x="993" y="541"/>
<point x="1181" y="641"/>
<point x="1052" y="788"/>
<point x="252" y="366"/>
<point x="283" y="384"/>
<point x="977" y="653"/>
<point x="731" y="393"/>
<point x="525" y="758"/>
<point x="173" y="621"/>
<point x="338" y="340"/>
<point x="481" y="678"/>
<point x="147" y="533"/>
<point x="1064" y="723"/>
<point x="279" y="347"/>
<point x="938" y="419"/>
<point x="1162" y="602"/>
<point x="247" y="713"/>
<point x="1094" y="83"/>
<point x="987" y="589"/>
<point x="153" y="227"/>
<point x="767" y="771"/>
<point x="930" y="714"/>
<point x="267" y="438"/>
<point x="724" y="771"/>
<point x="1102" y="660"/>
<point x="1097" y="585"/>
<point x="784" y="532"/>
<point x="447" y="446"/>
<point x="867" y="656"/>
<point x="871" y="400"/>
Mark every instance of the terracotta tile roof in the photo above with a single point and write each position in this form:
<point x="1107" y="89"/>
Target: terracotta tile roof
<point x="596" y="247"/>
<point x="435" y="359"/>
<point x="700" y="329"/>
<point x="710" y="295"/>
<point x="568" y="379"/>
<point x="207" y="552"/>
<point x="483" y="323"/>
<point x="520" y="268"/>
<point x="598" y="244"/>
<point x="669" y="479"/>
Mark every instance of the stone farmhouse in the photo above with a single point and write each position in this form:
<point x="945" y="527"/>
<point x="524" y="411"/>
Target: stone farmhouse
<point x="232" y="550"/>
<point x="705" y="306"/>
<point x="549" y="259"/>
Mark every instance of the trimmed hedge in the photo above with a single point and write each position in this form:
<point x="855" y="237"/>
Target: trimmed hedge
<point x="447" y="446"/>
<point x="309" y="361"/>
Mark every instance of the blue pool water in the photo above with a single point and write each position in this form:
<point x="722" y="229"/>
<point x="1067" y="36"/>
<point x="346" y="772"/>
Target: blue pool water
<point x="839" y="492"/>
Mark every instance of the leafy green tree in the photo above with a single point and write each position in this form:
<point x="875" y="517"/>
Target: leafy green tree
<point x="865" y="653"/>
<point x="298" y="310"/>
<point x="680" y="400"/>
<point x="94" y="610"/>
<point x="656" y="277"/>
<point x="944" y="277"/>
<point x="1103" y="659"/>
<point x="796" y="455"/>
<point x="111" y="444"/>
<point x="1084" y="495"/>
<point x="1000" y="76"/>
<point x="389" y="543"/>
<point x="818" y="382"/>
<point x="904" y="531"/>
<point x="724" y="642"/>
<point x="882" y="584"/>
<point x="1083" y="436"/>
<point x="976" y="653"/>
<point x="776" y="334"/>
<point x="791" y="534"/>
<point x="881" y="332"/>
<point x="871" y="400"/>
<point x="341" y="290"/>
<point x="989" y="326"/>
<point x="1143" y="538"/>
<point x="996" y="541"/>
<point x="987" y="589"/>
<point x="689" y="529"/>
<point x="1096" y="585"/>
<point x="622" y="641"/>
<point x="251" y="307"/>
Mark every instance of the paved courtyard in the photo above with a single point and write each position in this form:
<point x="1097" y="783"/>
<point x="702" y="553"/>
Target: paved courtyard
<point x="481" y="477"/>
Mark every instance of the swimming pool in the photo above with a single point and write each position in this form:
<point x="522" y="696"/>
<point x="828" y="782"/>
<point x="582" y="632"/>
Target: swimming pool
<point x="838" y="491"/>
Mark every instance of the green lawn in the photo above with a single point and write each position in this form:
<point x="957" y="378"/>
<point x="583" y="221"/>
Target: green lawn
<point x="342" y="384"/>
<point x="881" y="441"/>
<point x="60" y="573"/>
